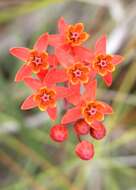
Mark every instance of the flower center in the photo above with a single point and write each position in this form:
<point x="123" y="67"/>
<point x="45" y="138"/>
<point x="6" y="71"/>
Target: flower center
<point x="77" y="73"/>
<point x="37" y="60"/>
<point x="103" y="63"/>
<point x="92" y="111"/>
<point x="45" y="97"/>
<point x="75" y="35"/>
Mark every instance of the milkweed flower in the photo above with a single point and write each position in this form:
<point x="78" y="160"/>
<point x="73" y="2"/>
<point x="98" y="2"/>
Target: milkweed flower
<point x="35" y="60"/>
<point x="70" y="35"/>
<point x="73" y="70"/>
<point x="45" y="96"/>
<point x="87" y="108"/>
<point x="102" y="63"/>
<point x="69" y="75"/>
<point x="70" y="39"/>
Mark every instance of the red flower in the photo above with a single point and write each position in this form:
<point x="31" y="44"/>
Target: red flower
<point x="102" y="63"/>
<point x="70" y="38"/>
<point x="81" y="127"/>
<point x="74" y="71"/>
<point x="45" y="96"/>
<point x="85" y="150"/>
<point x="87" y="108"/>
<point x="59" y="133"/>
<point x="72" y="35"/>
<point x="97" y="130"/>
<point x="36" y="60"/>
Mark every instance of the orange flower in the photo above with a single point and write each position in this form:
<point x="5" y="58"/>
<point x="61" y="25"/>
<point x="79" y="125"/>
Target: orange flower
<point x="69" y="35"/>
<point x="38" y="61"/>
<point x="93" y="111"/>
<point x="75" y="72"/>
<point x="102" y="64"/>
<point x="78" y="73"/>
<point x="75" y="34"/>
<point x="35" y="60"/>
<point x="87" y="107"/>
<point x="45" y="98"/>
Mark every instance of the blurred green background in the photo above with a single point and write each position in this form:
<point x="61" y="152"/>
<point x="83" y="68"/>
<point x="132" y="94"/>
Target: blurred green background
<point x="29" y="160"/>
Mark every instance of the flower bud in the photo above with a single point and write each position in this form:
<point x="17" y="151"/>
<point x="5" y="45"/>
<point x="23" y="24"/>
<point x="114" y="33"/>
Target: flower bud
<point x="81" y="127"/>
<point x="99" y="132"/>
<point x="59" y="133"/>
<point x="85" y="150"/>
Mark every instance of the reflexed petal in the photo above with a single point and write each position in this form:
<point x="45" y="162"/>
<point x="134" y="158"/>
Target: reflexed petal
<point x="62" y="25"/>
<point x="71" y="115"/>
<point x="41" y="75"/>
<point x="108" y="79"/>
<point x="100" y="46"/>
<point x="117" y="59"/>
<point x="63" y="57"/>
<point x="52" y="113"/>
<point x="92" y="74"/>
<point x="84" y="54"/>
<point x="23" y="72"/>
<point x="35" y="84"/>
<point x="62" y="92"/>
<point x="107" y="108"/>
<point x="42" y="42"/>
<point x="90" y="90"/>
<point x="74" y="96"/>
<point x="55" y="40"/>
<point x="20" y="52"/>
<point x="52" y="60"/>
<point x="55" y="76"/>
<point x="28" y="103"/>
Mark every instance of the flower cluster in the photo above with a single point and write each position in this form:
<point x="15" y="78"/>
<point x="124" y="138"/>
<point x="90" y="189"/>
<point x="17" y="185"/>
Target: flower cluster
<point x="68" y="74"/>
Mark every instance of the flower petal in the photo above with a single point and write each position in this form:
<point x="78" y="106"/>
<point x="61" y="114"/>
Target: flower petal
<point x="83" y="53"/>
<point x="28" y="103"/>
<point x="52" y="60"/>
<point x="71" y="115"/>
<point x="52" y="113"/>
<point x="35" y="84"/>
<point x="74" y="96"/>
<point x="23" y="72"/>
<point x="79" y="27"/>
<point x="55" y="40"/>
<point x="107" y="108"/>
<point x="62" y="25"/>
<point x="64" y="58"/>
<point x="100" y="46"/>
<point x="62" y="92"/>
<point x="55" y="76"/>
<point x="20" y="52"/>
<point x="117" y="59"/>
<point x="84" y="36"/>
<point x="42" y="42"/>
<point x="108" y="79"/>
<point x="41" y="75"/>
<point x="90" y="90"/>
